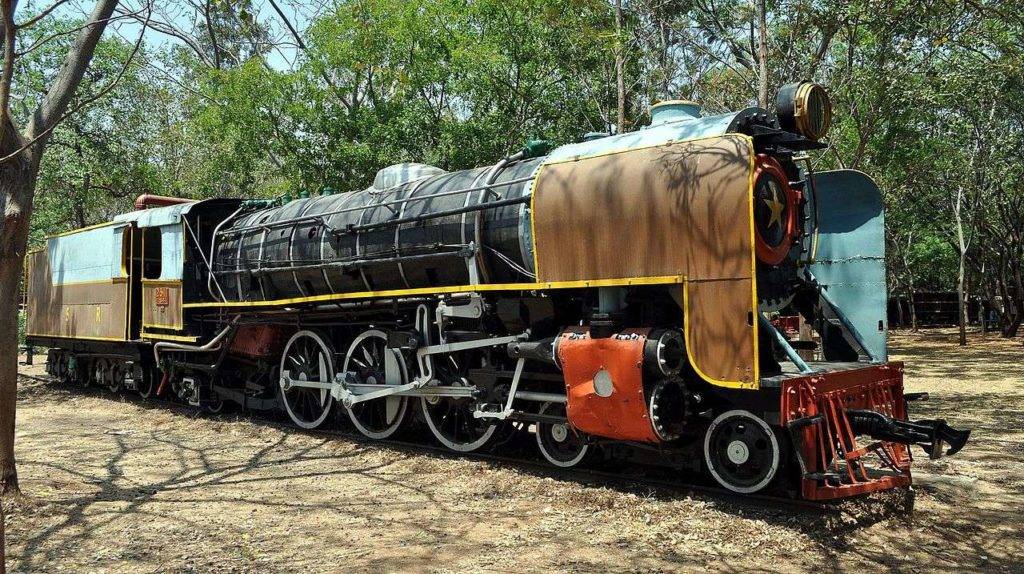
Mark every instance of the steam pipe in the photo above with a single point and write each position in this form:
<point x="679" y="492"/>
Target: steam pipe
<point x="147" y="200"/>
<point x="212" y="345"/>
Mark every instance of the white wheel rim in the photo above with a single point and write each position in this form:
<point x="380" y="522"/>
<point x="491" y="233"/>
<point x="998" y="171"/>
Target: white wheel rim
<point x="327" y="372"/>
<point x="425" y="404"/>
<point x="399" y="404"/>
<point x="551" y="458"/>
<point x="771" y="438"/>
<point x="456" y="446"/>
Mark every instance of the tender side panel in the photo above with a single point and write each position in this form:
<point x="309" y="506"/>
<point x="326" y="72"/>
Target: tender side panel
<point x="76" y="287"/>
<point x="681" y="208"/>
<point x="161" y="304"/>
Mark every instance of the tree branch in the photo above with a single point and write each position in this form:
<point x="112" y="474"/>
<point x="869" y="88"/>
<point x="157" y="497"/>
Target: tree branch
<point x="8" y="7"/>
<point x="57" y="98"/>
<point x="39" y="119"/>
<point x="46" y="12"/>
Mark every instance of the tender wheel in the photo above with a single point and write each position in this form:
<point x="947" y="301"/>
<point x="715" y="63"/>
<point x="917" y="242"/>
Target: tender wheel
<point x="560" y="444"/>
<point x="101" y="373"/>
<point x="143" y="381"/>
<point x="115" y="377"/>
<point x="307" y="370"/>
<point x="741" y="452"/>
<point x="451" y="418"/>
<point x="376" y="364"/>
<point x="78" y="372"/>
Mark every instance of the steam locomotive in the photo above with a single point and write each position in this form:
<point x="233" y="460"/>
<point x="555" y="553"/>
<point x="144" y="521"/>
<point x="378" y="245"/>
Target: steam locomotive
<point x="611" y="297"/>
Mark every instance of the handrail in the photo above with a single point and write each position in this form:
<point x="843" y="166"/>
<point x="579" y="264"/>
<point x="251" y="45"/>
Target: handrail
<point x="272" y="224"/>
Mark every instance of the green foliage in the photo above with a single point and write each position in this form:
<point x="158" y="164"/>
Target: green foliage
<point x="926" y="94"/>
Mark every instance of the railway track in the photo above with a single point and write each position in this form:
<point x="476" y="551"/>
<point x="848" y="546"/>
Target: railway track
<point x="576" y="474"/>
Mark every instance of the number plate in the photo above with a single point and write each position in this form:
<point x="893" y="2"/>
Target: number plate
<point x="162" y="296"/>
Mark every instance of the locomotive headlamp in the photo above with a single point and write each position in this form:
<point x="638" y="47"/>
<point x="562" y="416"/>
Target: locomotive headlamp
<point x="804" y="108"/>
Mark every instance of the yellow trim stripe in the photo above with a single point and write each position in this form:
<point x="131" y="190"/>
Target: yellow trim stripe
<point x="689" y="353"/>
<point x="755" y="308"/>
<point x="162" y="282"/>
<point x="110" y="281"/>
<point x="616" y="151"/>
<point x="162" y="337"/>
<point x="89" y="228"/>
<point x="664" y="280"/>
<point x="167" y="326"/>
<point x="76" y="337"/>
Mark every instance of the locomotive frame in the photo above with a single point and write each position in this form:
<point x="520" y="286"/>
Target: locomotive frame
<point x="610" y="296"/>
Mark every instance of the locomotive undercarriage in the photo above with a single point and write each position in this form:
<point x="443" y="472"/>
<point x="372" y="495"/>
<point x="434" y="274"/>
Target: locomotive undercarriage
<point x="474" y="369"/>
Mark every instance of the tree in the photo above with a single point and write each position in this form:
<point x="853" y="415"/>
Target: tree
<point x="3" y="543"/>
<point x="21" y="152"/>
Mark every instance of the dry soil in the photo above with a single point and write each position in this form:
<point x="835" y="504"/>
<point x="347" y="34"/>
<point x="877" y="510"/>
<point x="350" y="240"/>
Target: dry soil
<point x="115" y="485"/>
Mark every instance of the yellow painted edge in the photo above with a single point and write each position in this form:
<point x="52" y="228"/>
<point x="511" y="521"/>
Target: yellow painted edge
<point x="88" y="228"/>
<point x="537" y="174"/>
<point x="663" y="280"/>
<point x="689" y="354"/>
<point x="755" y="309"/>
<point x="112" y="280"/>
<point x="646" y="146"/>
<point x="170" y="326"/>
<point x="667" y="102"/>
<point x="128" y="295"/>
<point x="756" y="381"/>
<point x="162" y="282"/>
<point x="162" y="337"/>
<point x="76" y="337"/>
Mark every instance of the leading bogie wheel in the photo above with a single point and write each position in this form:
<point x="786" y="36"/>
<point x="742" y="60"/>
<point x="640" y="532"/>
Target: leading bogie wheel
<point x="560" y="443"/>
<point x="307" y="371"/>
<point x="742" y="452"/>
<point x="374" y="363"/>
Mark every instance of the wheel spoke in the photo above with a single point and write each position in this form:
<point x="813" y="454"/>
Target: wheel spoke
<point x="377" y="418"/>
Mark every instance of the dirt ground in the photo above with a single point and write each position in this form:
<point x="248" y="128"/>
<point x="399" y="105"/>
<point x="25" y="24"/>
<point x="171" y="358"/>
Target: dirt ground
<point x="112" y="485"/>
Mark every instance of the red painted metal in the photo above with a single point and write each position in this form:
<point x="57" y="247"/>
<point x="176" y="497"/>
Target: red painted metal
<point x="257" y="341"/>
<point x="623" y="414"/>
<point x="831" y="446"/>
<point x="163" y="383"/>
<point x="767" y="166"/>
<point x="787" y="324"/>
<point x="147" y="200"/>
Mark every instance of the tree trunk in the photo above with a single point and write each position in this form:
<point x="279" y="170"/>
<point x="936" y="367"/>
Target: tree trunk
<point x="620" y="69"/>
<point x="961" y="294"/>
<point x="913" y="311"/>
<point x="961" y="307"/>
<point x="762" y="54"/>
<point x="899" y="313"/>
<point x="17" y="189"/>
<point x="3" y="543"/>
<point x="17" y="184"/>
